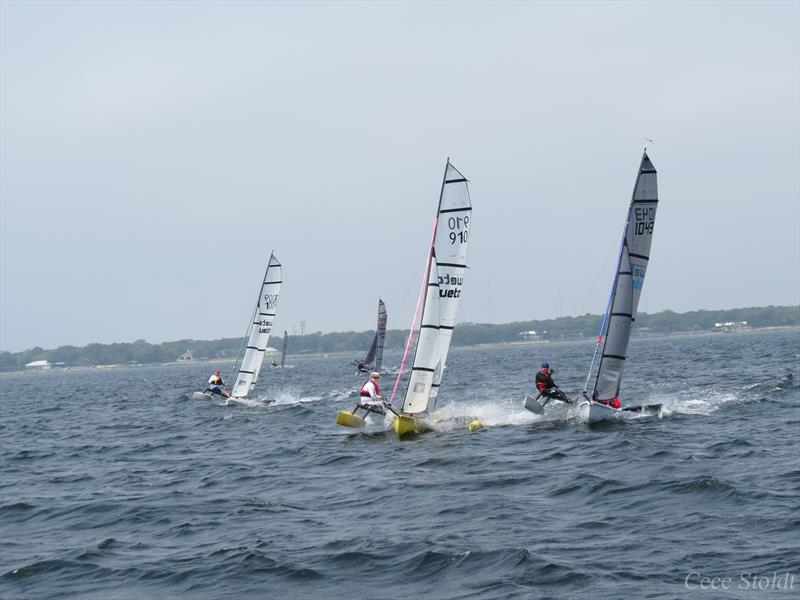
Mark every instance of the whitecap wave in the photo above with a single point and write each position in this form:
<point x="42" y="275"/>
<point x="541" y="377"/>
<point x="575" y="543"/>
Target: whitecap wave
<point x="490" y="414"/>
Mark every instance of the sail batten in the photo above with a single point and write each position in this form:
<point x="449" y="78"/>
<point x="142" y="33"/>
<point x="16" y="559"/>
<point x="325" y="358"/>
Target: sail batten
<point x="632" y="264"/>
<point x="259" y="330"/>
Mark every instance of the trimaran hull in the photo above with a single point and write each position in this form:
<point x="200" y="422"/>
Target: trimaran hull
<point x="369" y="423"/>
<point x="408" y="424"/>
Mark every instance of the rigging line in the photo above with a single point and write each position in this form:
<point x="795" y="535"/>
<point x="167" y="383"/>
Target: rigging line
<point x="245" y="340"/>
<point x="422" y="290"/>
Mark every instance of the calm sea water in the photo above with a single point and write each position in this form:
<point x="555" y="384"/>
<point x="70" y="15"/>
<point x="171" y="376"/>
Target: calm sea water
<point x="115" y="484"/>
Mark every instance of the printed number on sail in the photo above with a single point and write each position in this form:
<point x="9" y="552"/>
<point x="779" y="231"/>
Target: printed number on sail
<point x="645" y="218"/>
<point x="456" y="223"/>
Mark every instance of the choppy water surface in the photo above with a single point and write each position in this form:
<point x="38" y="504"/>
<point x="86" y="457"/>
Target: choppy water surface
<point x="115" y="484"/>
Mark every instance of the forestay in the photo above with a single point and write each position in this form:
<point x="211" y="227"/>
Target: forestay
<point x="446" y="267"/>
<point x="260" y="328"/>
<point x="631" y="267"/>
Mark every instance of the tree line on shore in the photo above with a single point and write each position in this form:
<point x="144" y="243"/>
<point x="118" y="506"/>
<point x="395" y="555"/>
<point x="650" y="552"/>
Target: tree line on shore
<point x="466" y="334"/>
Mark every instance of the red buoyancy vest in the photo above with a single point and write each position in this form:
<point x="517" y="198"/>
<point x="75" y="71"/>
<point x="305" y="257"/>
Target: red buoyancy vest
<point x="613" y="403"/>
<point x="364" y="392"/>
<point x="543" y="380"/>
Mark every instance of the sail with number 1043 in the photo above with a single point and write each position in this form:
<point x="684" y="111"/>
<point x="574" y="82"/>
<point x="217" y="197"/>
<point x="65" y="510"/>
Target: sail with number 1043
<point x="634" y="256"/>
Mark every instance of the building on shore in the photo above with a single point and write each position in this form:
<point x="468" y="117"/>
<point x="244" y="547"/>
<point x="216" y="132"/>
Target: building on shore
<point x="529" y="335"/>
<point x="39" y="365"/>
<point x="731" y="326"/>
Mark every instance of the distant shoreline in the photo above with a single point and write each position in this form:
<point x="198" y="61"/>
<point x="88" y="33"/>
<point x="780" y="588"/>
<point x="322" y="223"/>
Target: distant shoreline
<point x="346" y="353"/>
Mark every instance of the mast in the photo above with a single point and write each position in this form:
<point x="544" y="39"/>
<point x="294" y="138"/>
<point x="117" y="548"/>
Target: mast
<point x="252" y="319"/>
<point x="431" y="257"/>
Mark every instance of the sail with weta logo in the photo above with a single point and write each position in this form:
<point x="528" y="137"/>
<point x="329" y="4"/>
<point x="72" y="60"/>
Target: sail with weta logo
<point x="446" y="266"/>
<point x="374" y="355"/>
<point x="631" y="268"/>
<point x="283" y="351"/>
<point x="259" y="330"/>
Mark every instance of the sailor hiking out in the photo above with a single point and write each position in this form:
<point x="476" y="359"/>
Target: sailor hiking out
<point x="370" y="395"/>
<point x="547" y="387"/>
<point x="216" y="385"/>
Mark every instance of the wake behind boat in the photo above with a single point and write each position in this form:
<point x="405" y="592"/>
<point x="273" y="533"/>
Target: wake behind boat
<point x="615" y="331"/>
<point x="257" y="336"/>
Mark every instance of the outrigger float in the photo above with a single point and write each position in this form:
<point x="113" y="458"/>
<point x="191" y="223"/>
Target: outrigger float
<point x="615" y="331"/>
<point x="445" y="265"/>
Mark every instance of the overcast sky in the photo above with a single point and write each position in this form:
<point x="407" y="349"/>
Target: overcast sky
<point x="152" y="155"/>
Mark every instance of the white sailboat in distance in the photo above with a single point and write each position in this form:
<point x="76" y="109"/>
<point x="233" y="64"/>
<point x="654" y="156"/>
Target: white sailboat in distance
<point x="257" y="336"/>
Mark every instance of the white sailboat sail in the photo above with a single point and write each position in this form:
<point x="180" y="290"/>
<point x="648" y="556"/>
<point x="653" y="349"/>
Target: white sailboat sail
<point x="448" y="262"/>
<point x="283" y="351"/>
<point x="259" y="330"/>
<point x="628" y="281"/>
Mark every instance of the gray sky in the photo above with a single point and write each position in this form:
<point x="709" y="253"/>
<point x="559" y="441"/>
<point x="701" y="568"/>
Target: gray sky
<point x="153" y="153"/>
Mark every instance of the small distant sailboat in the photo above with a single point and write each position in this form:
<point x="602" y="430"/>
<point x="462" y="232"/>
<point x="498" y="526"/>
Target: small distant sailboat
<point x="257" y="336"/>
<point x="445" y="264"/>
<point x="282" y="364"/>
<point x="374" y="357"/>
<point x="615" y="331"/>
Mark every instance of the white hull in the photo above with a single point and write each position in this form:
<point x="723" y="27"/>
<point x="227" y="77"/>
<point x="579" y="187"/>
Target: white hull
<point x="201" y="396"/>
<point x="594" y="412"/>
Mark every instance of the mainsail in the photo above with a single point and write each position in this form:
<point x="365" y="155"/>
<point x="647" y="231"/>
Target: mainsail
<point x="259" y="330"/>
<point x="446" y="266"/>
<point x="374" y="355"/>
<point x="631" y="267"/>
<point x="283" y="352"/>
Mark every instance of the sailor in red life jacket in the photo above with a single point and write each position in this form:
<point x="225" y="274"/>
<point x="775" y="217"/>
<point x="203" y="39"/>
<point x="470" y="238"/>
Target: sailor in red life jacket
<point x="371" y="393"/>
